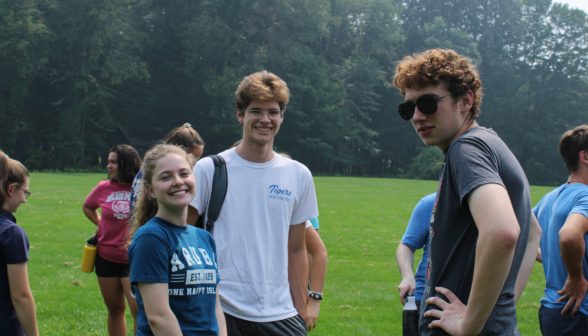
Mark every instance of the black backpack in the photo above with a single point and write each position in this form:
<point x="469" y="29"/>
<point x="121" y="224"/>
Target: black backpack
<point x="219" y="187"/>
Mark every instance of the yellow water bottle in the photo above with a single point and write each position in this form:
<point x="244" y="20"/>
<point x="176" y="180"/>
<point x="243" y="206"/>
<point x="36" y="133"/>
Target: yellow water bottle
<point x="89" y="255"/>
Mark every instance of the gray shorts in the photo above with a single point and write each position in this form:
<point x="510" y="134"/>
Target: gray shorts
<point x="293" y="326"/>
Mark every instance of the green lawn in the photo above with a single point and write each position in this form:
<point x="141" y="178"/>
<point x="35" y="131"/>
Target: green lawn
<point x="361" y="221"/>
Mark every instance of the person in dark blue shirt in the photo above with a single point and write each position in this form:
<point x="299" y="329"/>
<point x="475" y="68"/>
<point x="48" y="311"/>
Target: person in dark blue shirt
<point x="174" y="272"/>
<point x="17" y="306"/>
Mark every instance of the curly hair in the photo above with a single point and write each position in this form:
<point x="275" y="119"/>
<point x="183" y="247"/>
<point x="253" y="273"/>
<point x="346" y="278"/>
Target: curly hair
<point x="440" y="65"/>
<point x="146" y="207"/>
<point x="129" y="163"/>
<point x="184" y="136"/>
<point x="11" y="172"/>
<point x="571" y="144"/>
<point x="262" y="86"/>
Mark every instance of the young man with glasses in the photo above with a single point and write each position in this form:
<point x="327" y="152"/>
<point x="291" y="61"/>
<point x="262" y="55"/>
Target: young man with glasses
<point x="563" y="216"/>
<point x="260" y="232"/>
<point x="481" y="217"/>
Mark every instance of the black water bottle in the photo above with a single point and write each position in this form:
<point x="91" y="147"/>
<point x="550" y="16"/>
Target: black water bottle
<point x="410" y="318"/>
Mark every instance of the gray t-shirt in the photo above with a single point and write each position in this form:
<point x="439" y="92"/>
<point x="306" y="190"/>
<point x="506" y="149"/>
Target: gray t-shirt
<point x="477" y="158"/>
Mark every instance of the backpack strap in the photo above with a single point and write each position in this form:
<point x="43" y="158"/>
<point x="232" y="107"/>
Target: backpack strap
<point x="219" y="191"/>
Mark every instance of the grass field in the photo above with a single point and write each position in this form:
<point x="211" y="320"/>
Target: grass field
<point x="361" y="222"/>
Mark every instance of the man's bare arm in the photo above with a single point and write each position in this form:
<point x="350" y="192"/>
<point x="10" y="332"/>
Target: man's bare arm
<point x="405" y="259"/>
<point x="498" y="233"/>
<point x="529" y="258"/>
<point x="571" y="245"/>
<point x="298" y="267"/>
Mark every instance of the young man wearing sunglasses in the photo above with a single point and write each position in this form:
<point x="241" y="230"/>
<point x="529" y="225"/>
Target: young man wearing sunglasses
<point x="481" y="217"/>
<point x="260" y="232"/>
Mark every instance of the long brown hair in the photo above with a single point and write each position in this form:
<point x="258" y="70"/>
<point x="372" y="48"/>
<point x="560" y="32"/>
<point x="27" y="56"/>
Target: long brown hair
<point x="129" y="163"/>
<point x="11" y="171"/>
<point x="146" y="207"/>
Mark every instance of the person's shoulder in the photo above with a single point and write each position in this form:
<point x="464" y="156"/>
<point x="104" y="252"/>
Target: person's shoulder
<point x="429" y="198"/>
<point x="8" y="228"/>
<point x="475" y="141"/>
<point x="293" y="165"/>
<point x="207" y="164"/>
<point x="151" y="228"/>
<point x="104" y="184"/>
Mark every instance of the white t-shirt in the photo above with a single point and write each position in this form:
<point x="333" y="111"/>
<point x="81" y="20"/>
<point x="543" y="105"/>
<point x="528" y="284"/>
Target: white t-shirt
<point x="251" y="233"/>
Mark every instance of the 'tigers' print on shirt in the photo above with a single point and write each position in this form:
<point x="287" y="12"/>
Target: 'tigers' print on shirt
<point x="276" y="193"/>
<point x="200" y="276"/>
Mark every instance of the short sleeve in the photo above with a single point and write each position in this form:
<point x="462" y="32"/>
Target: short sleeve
<point x="417" y="231"/>
<point x="315" y="223"/>
<point x="200" y="201"/>
<point x="93" y="200"/>
<point x="308" y="224"/>
<point x="149" y="259"/>
<point x="473" y="164"/>
<point x="581" y="204"/>
<point x="305" y="207"/>
<point x="15" y="245"/>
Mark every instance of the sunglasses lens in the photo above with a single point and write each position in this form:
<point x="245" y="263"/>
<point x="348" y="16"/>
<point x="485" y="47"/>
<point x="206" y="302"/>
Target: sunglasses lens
<point x="406" y="110"/>
<point x="427" y="104"/>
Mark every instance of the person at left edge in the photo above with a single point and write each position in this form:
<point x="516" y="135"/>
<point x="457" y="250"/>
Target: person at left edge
<point x="112" y="266"/>
<point x="174" y="269"/>
<point x="17" y="306"/>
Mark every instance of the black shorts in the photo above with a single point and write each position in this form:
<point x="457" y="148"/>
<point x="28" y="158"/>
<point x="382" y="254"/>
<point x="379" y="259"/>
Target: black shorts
<point x="109" y="269"/>
<point x="293" y="326"/>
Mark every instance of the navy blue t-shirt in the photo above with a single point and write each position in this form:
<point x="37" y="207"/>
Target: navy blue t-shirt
<point x="184" y="257"/>
<point x="14" y="249"/>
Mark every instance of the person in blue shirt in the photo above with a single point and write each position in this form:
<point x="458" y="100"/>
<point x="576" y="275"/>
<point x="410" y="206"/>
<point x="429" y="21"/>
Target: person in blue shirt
<point x="17" y="305"/>
<point x="174" y="272"/>
<point x="415" y="237"/>
<point x="563" y="216"/>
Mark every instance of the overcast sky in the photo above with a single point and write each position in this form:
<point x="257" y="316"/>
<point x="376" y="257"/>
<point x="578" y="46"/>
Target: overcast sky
<point x="581" y="4"/>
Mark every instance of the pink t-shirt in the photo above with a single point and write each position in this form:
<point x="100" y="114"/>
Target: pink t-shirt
<point x="114" y="199"/>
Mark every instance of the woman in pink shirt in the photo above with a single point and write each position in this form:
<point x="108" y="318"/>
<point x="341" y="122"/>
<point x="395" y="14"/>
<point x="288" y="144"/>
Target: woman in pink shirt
<point x="112" y="265"/>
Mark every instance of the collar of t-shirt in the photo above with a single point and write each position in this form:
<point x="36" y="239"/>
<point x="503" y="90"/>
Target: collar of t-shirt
<point x="250" y="164"/>
<point x="172" y="226"/>
<point x="6" y="215"/>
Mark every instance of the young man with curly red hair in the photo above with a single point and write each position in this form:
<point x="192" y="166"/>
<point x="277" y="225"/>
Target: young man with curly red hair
<point x="260" y="232"/>
<point x="482" y="215"/>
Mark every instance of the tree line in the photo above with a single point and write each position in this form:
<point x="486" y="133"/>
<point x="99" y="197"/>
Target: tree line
<point x="78" y="76"/>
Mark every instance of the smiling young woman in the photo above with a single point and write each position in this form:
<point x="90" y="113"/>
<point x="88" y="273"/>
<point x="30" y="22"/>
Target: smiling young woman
<point x="174" y="272"/>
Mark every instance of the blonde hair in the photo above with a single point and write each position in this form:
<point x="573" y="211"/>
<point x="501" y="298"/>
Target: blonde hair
<point x="261" y="86"/>
<point x="11" y="171"/>
<point x="146" y="207"/>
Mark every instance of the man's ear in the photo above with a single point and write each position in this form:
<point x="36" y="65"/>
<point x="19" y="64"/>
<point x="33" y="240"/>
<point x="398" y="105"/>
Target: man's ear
<point x="240" y="115"/>
<point x="150" y="191"/>
<point x="583" y="156"/>
<point x="467" y="101"/>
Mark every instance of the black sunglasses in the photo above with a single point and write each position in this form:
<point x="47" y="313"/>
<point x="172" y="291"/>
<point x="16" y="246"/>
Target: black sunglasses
<point x="426" y="104"/>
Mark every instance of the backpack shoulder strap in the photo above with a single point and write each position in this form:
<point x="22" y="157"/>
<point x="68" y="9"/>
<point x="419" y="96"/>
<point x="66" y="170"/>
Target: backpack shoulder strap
<point x="219" y="191"/>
